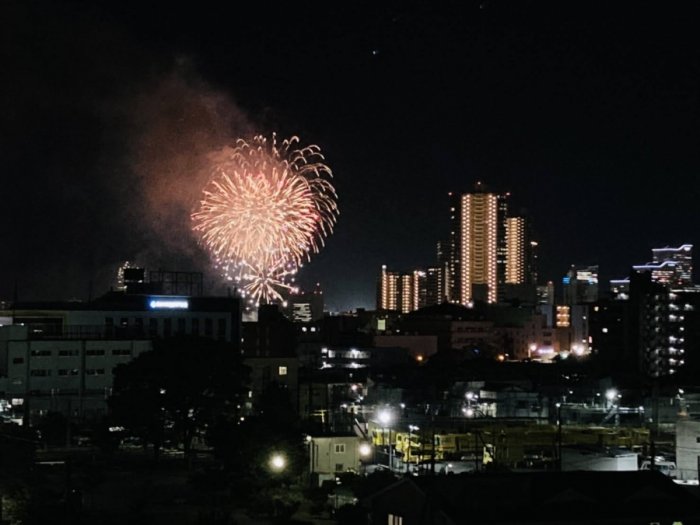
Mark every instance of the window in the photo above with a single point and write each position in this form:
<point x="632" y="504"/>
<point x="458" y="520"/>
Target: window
<point x="17" y="360"/>
<point x="338" y="467"/>
<point x="94" y="352"/>
<point x="208" y="327"/>
<point x="195" y="326"/>
<point x="95" y="372"/>
<point x="181" y="326"/>
<point x="340" y="448"/>
<point x="394" y="520"/>
<point x="124" y="321"/>
<point x="67" y="353"/>
<point x="167" y="327"/>
<point x="41" y="353"/>
<point x="282" y="370"/>
<point x="109" y="321"/>
<point x="121" y="351"/>
<point x="40" y="372"/>
<point x="221" y="329"/>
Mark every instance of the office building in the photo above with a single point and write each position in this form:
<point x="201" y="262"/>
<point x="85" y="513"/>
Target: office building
<point x="670" y="266"/>
<point x="580" y="285"/>
<point x="60" y="356"/>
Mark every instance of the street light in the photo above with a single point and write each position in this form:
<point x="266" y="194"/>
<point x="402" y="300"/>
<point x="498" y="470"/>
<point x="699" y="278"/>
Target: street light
<point x="531" y="350"/>
<point x="277" y="462"/>
<point x="558" y="405"/>
<point x="386" y="417"/>
<point x="365" y="449"/>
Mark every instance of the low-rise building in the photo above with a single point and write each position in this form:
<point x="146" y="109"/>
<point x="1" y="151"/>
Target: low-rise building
<point x="330" y="455"/>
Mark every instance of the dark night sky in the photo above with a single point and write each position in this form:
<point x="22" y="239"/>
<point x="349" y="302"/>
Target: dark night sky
<point x="586" y="113"/>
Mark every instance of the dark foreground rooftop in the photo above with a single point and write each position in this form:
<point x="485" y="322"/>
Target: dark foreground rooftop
<point x="541" y="497"/>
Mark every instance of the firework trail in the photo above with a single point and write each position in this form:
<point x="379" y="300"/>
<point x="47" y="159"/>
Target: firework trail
<point x="266" y="208"/>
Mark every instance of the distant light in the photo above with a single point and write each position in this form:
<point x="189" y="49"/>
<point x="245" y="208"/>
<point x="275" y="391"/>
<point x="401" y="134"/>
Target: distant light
<point x="170" y="304"/>
<point x="365" y="449"/>
<point x="611" y="394"/>
<point x="278" y="462"/>
<point x="385" y="417"/>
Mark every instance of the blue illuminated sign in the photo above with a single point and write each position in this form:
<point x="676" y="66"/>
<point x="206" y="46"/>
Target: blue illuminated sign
<point x="169" y="304"/>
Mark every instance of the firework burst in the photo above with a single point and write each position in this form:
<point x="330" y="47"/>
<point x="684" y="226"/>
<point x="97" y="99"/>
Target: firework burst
<point x="265" y="210"/>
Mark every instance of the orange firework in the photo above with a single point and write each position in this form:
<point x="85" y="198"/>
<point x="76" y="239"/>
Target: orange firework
<point x="264" y="211"/>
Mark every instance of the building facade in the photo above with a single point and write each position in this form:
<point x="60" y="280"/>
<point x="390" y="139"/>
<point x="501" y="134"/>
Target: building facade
<point x="61" y="356"/>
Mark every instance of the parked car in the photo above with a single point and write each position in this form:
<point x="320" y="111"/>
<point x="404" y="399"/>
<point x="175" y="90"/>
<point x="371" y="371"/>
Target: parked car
<point x="667" y="468"/>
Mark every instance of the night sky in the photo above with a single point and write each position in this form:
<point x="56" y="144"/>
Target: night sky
<point x="587" y="113"/>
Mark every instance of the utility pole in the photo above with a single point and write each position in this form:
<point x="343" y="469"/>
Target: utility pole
<point x="559" y="436"/>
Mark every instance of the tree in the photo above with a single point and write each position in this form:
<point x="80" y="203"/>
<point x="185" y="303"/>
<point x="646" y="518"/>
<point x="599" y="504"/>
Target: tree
<point x="246" y="447"/>
<point x="178" y="389"/>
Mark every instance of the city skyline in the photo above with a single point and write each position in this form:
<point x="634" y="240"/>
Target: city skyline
<point x="587" y="117"/>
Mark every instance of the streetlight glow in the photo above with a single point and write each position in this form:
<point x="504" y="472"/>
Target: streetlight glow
<point x="385" y="417"/>
<point x="277" y="462"/>
<point x="365" y="450"/>
<point x="611" y="394"/>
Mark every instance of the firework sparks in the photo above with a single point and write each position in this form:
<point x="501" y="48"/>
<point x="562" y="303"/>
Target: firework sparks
<point x="265" y="210"/>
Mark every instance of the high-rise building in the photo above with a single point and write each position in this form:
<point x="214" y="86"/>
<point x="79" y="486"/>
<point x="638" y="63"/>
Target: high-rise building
<point x="515" y="250"/>
<point x="406" y="293"/>
<point x="581" y="285"/>
<point x="449" y="251"/>
<point x="388" y="290"/>
<point x="447" y="278"/>
<point x="495" y="253"/>
<point x="671" y="266"/>
<point x="435" y="286"/>
<point x="479" y="247"/>
<point x="403" y="292"/>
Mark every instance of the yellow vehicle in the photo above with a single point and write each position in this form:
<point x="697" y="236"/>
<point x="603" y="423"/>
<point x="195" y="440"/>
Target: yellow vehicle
<point x="503" y="443"/>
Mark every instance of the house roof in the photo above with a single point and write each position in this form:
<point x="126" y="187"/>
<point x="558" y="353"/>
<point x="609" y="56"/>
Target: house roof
<point x="552" y="496"/>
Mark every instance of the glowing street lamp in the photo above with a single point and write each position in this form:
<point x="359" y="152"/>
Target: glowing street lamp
<point x="531" y="350"/>
<point x="386" y="418"/>
<point x="277" y="462"/>
<point x="365" y="449"/>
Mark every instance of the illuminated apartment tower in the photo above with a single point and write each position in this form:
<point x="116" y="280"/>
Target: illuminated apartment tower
<point x="479" y="246"/>
<point x="403" y="292"/>
<point x="406" y="293"/>
<point x="449" y="250"/>
<point x="388" y="290"/>
<point x="515" y="250"/>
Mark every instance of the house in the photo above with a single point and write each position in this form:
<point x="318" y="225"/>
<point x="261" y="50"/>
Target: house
<point x="534" y="498"/>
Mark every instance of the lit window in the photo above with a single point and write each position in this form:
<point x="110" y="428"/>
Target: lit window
<point x="282" y="370"/>
<point x="394" y="520"/>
